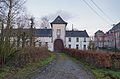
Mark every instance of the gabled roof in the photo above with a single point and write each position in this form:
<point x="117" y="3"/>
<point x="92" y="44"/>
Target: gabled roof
<point x="58" y="20"/>
<point x="38" y="32"/>
<point x="100" y="31"/>
<point x="117" y="26"/>
<point x="48" y="33"/>
<point x="43" y="32"/>
<point x="14" y="32"/>
<point x="76" y="34"/>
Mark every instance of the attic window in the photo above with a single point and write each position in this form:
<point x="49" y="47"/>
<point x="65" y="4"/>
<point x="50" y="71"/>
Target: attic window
<point x="58" y="19"/>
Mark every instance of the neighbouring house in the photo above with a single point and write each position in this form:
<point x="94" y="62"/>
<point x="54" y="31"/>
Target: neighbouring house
<point x="108" y="39"/>
<point x="57" y="37"/>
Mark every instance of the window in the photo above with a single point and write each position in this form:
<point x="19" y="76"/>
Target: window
<point x="69" y="46"/>
<point x="40" y="43"/>
<point x="77" y="46"/>
<point x="77" y="39"/>
<point x="84" y="39"/>
<point x="100" y="44"/>
<point x="46" y="44"/>
<point x="69" y="39"/>
<point x="58" y="33"/>
<point x="100" y="39"/>
<point x="84" y="47"/>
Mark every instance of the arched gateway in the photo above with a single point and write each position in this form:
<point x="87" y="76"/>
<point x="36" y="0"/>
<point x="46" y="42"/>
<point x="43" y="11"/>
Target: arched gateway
<point x="58" y="45"/>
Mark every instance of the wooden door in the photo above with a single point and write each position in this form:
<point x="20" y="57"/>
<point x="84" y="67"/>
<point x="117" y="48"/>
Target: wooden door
<point x="58" y="45"/>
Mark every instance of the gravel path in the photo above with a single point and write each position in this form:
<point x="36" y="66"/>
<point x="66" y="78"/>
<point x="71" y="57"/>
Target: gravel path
<point x="64" y="68"/>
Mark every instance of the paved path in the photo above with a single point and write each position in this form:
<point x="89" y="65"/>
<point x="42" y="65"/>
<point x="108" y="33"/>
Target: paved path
<point x="64" y="68"/>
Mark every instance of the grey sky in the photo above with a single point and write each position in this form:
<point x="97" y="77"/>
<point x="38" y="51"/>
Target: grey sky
<point x="76" y="12"/>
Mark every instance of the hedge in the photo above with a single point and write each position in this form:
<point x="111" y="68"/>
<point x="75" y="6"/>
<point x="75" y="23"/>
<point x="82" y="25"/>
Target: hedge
<point x="99" y="60"/>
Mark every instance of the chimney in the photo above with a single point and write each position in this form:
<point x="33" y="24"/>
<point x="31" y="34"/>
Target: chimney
<point x="72" y="28"/>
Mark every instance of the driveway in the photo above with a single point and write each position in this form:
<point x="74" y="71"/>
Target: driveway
<point x="64" y="68"/>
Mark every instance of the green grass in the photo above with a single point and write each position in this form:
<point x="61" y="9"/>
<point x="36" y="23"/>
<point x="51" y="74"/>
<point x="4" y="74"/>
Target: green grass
<point x="29" y="68"/>
<point x="5" y="72"/>
<point x="34" y="66"/>
<point x="115" y="74"/>
<point x="99" y="73"/>
<point x="62" y="56"/>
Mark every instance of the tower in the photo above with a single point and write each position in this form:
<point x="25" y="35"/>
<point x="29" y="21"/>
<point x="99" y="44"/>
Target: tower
<point x="58" y="33"/>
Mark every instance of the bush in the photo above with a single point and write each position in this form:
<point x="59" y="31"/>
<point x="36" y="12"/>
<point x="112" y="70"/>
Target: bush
<point x="113" y="49"/>
<point x="7" y="50"/>
<point x="99" y="60"/>
<point x="28" y="55"/>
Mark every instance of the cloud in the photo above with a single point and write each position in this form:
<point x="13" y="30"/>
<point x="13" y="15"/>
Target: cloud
<point x="64" y="14"/>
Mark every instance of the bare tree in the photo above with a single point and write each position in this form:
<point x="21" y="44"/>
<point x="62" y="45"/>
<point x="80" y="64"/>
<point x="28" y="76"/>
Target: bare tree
<point x="10" y="10"/>
<point x="45" y="22"/>
<point x="24" y="37"/>
<point x="32" y="32"/>
<point x="22" y="22"/>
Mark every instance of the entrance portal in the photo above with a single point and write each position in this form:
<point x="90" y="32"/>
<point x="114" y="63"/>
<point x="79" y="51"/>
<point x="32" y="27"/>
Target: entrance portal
<point x="58" y="45"/>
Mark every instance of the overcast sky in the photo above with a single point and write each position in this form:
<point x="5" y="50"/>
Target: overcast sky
<point x="78" y="13"/>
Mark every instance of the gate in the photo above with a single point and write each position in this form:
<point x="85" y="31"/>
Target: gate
<point x="58" y="45"/>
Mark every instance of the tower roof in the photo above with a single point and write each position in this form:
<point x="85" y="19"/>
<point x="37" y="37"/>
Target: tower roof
<point x="58" y="20"/>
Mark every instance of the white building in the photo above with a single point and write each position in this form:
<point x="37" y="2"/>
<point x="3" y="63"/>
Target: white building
<point x="58" y="37"/>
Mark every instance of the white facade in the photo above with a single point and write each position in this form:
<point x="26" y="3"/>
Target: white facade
<point x="83" y="42"/>
<point x="80" y="42"/>
<point x="47" y="41"/>
<point x="55" y="28"/>
<point x="72" y="39"/>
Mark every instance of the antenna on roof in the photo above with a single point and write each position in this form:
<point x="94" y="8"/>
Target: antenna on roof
<point x="72" y="27"/>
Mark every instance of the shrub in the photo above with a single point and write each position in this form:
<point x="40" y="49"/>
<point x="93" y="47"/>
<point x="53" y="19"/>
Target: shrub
<point x="7" y="50"/>
<point x="99" y="60"/>
<point x="114" y="49"/>
<point x="28" y="55"/>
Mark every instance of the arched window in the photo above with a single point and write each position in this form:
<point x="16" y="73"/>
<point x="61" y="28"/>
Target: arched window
<point x="58" y="33"/>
